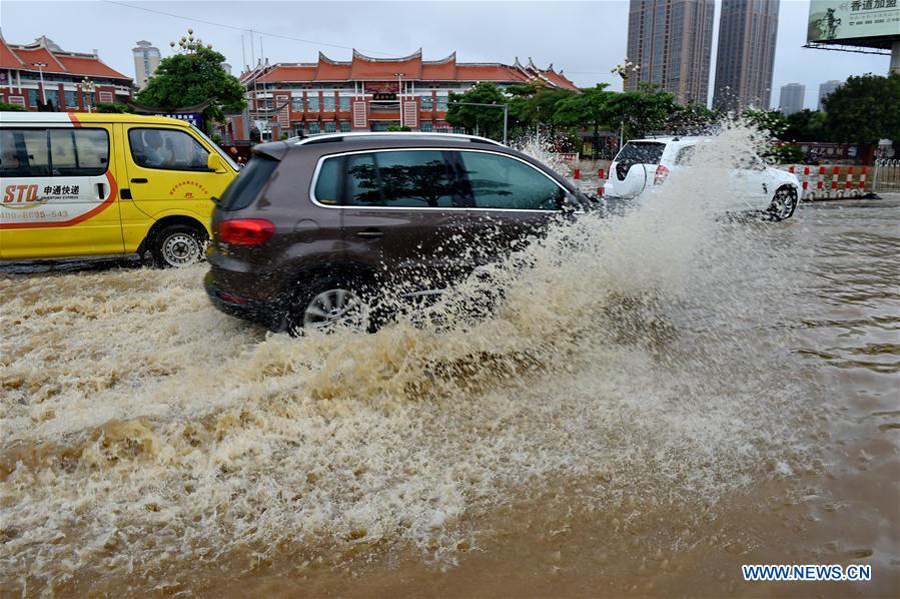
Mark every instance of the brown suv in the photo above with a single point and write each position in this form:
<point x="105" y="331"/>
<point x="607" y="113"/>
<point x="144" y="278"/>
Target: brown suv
<point x="314" y="231"/>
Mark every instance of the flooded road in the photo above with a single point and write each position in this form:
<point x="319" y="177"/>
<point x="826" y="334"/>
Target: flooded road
<point x="659" y="398"/>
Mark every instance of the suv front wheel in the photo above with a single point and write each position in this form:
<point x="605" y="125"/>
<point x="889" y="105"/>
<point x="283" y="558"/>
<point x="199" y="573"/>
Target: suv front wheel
<point x="330" y="302"/>
<point x="783" y="204"/>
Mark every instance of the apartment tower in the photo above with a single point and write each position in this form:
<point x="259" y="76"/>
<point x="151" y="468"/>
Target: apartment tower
<point x="746" y="54"/>
<point x="671" y="41"/>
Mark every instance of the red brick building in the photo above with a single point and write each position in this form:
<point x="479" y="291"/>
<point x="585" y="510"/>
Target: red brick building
<point x="20" y="77"/>
<point x="370" y="94"/>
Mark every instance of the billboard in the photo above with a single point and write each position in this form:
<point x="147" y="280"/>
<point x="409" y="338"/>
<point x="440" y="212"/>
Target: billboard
<point x="842" y="21"/>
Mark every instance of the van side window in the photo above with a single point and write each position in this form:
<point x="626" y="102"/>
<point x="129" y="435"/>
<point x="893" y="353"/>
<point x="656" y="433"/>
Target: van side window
<point x="502" y="182"/>
<point x="35" y="152"/>
<point x="78" y="152"/>
<point x="402" y="179"/>
<point x="167" y="149"/>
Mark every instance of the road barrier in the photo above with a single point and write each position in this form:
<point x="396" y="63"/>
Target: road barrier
<point x="831" y="181"/>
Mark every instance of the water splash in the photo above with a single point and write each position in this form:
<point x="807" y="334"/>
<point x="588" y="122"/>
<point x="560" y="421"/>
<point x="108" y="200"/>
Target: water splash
<point x="145" y="432"/>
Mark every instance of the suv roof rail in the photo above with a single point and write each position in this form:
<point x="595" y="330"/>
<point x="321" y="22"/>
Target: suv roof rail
<point x="338" y="137"/>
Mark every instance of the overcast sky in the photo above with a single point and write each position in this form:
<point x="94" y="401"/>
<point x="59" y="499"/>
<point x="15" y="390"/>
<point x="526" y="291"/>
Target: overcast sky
<point x="586" y="39"/>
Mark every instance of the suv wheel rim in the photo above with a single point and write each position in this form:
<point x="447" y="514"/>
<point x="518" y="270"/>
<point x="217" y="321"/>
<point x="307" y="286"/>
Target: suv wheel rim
<point x="333" y="307"/>
<point x="783" y="204"/>
<point x="180" y="249"/>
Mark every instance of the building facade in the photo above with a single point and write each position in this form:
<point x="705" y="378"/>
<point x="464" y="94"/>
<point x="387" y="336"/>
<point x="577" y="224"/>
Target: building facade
<point x="671" y="42"/>
<point x="369" y="94"/>
<point x="792" y="98"/>
<point x="745" y="59"/>
<point x="825" y="89"/>
<point x="73" y="81"/>
<point x="146" y="59"/>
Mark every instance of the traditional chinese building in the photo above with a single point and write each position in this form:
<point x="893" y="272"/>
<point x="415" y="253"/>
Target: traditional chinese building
<point x="371" y="94"/>
<point x="41" y="70"/>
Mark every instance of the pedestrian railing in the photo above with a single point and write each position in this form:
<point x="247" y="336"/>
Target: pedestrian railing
<point x="887" y="175"/>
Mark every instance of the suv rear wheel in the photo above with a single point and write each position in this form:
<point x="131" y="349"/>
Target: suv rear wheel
<point x="329" y="302"/>
<point x="177" y="245"/>
<point x="783" y="204"/>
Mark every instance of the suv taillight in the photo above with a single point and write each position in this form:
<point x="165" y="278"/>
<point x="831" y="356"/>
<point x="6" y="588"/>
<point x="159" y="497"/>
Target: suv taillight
<point x="661" y="174"/>
<point x="245" y="231"/>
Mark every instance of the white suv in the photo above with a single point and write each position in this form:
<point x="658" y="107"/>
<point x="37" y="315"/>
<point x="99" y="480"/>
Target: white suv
<point x="643" y="163"/>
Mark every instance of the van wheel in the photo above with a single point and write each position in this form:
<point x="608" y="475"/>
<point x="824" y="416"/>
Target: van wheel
<point x="329" y="302"/>
<point x="177" y="245"/>
<point x="783" y="204"/>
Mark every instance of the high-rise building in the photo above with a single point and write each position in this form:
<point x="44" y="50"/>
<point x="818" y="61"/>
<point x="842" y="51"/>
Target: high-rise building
<point x="746" y="55"/>
<point x="671" y="42"/>
<point x="825" y="89"/>
<point x="146" y="59"/>
<point x="792" y="96"/>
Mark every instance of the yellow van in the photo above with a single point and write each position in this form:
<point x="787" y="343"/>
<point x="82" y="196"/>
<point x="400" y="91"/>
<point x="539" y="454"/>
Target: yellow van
<point x="77" y="184"/>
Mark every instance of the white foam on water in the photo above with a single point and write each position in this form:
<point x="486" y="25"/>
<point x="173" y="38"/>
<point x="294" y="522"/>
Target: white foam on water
<point x="145" y="433"/>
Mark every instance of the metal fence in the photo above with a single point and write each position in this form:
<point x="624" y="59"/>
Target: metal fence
<point x="887" y="175"/>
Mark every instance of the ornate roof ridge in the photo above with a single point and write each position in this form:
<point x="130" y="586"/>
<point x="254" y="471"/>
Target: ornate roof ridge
<point x="413" y="56"/>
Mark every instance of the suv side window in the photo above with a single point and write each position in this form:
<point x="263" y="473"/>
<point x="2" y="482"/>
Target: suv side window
<point x="167" y="149"/>
<point x="399" y="179"/>
<point x="499" y="181"/>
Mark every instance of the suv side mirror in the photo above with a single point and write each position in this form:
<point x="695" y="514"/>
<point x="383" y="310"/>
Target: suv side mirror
<point x="214" y="163"/>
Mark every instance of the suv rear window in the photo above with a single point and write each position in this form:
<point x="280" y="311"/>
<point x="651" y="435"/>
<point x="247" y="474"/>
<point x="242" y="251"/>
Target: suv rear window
<point x="641" y="152"/>
<point x="244" y="189"/>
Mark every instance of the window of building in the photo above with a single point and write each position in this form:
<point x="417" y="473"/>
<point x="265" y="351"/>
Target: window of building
<point x="34" y="96"/>
<point x="503" y="182"/>
<point x="401" y="179"/>
<point x="53" y="152"/>
<point x="344" y="103"/>
<point x="328" y="103"/>
<point x="427" y="103"/>
<point x="71" y="100"/>
<point x="345" y="126"/>
<point x="442" y="103"/>
<point x="297" y="104"/>
<point x="312" y="102"/>
<point x="329" y="127"/>
<point x="425" y="126"/>
<point x="167" y="149"/>
<point x="314" y="128"/>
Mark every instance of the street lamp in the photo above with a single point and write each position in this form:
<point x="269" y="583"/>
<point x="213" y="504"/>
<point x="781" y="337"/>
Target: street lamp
<point x="624" y="71"/>
<point x="41" y="66"/>
<point x="88" y="85"/>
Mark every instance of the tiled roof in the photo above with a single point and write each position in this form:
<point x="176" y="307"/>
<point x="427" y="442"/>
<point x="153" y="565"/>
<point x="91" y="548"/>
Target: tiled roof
<point x="412" y="67"/>
<point x="23" y="57"/>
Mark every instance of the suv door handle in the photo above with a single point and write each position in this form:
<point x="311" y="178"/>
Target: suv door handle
<point x="139" y="180"/>
<point x="370" y="233"/>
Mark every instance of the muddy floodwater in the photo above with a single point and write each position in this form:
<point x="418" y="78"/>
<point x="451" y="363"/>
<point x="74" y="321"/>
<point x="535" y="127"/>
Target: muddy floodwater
<point x="656" y="399"/>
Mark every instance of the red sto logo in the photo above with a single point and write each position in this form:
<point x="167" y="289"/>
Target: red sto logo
<point x="20" y="194"/>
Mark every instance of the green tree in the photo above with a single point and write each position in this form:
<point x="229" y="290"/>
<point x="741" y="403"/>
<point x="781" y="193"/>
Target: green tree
<point x="691" y="118"/>
<point x="590" y="108"/>
<point x="806" y="125"/>
<point x="642" y="111"/>
<point x="771" y="121"/>
<point x="111" y="108"/>
<point x="4" y="107"/>
<point x="486" y="120"/>
<point x="533" y="104"/>
<point x="864" y="109"/>
<point x="193" y="77"/>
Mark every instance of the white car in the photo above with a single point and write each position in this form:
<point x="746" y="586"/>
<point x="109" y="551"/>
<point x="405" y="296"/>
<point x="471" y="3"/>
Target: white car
<point x="642" y="164"/>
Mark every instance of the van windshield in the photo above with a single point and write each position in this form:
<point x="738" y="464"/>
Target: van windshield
<point x="247" y="185"/>
<point x="641" y="152"/>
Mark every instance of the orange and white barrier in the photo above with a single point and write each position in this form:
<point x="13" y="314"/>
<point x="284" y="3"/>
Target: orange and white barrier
<point x="830" y="182"/>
